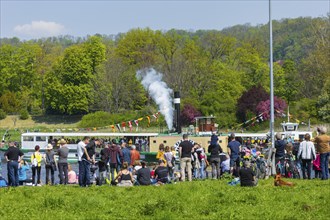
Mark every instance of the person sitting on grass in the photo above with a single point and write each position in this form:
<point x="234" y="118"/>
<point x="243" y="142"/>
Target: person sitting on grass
<point x="247" y="175"/>
<point x="161" y="173"/>
<point x="225" y="165"/>
<point x="143" y="175"/>
<point x="22" y="168"/>
<point x="124" y="176"/>
<point x="72" y="176"/>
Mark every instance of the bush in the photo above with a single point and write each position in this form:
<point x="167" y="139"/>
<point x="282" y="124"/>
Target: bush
<point x="24" y="114"/>
<point x="3" y="114"/>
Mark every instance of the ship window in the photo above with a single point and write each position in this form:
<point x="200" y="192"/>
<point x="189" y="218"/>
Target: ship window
<point x="28" y="138"/>
<point x="154" y="141"/>
<point x="164" y="141"/>
<point x="38" y="138"/>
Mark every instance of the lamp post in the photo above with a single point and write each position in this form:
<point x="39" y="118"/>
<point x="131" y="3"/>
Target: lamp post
<point x="271" y="159"/>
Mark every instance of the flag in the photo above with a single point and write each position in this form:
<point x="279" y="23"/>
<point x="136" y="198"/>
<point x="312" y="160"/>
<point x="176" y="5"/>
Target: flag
<point x="156" y="116"/>
<point x="148" y="117"/>
<point x="137" y="124"/>
<point x="113" y="128"/>
<point x="130" y="125"/>
<point x="118" y="127"/>
<point x="123" y="125"/>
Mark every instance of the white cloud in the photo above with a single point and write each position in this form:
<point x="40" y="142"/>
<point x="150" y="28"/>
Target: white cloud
<point x="40" y="29"/>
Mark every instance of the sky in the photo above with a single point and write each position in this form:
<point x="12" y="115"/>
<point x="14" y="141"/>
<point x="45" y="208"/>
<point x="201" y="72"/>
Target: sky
<point x="43" y="18"/>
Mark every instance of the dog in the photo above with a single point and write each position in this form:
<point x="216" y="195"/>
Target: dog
<point x="279" y="182"/>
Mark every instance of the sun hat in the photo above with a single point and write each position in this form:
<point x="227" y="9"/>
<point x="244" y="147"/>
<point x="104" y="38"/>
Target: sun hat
<point x="62" y="141"/>
<point x="49" y="147"/>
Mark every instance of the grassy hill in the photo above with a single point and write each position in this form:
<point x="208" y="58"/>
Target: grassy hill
<point x="49" y="121"/>
<point x="210" y="199"/>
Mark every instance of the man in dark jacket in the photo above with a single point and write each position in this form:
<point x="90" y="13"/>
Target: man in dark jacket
<point x="116" y="158"/>
<point x="214" y="149"/>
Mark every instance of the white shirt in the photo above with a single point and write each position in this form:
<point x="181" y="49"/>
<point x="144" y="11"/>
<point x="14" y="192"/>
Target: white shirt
<point x="80" y="149"/>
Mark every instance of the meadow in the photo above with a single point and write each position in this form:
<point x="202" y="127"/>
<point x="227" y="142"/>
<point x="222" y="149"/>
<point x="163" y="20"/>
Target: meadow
<point x="209" y="199"/>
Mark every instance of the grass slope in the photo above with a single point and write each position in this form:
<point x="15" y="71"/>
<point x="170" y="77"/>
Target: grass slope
<point x="196" y="200"/>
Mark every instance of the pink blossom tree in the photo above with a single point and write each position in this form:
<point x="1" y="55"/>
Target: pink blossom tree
<point x="188" y="113"/>
<point x="264" y="107"/>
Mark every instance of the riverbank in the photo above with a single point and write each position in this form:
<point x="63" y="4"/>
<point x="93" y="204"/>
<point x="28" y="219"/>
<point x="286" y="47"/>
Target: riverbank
<point x="209" y="199"/>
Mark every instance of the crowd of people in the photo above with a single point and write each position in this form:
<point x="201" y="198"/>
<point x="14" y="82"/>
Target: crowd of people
<point x="119" y="164"/>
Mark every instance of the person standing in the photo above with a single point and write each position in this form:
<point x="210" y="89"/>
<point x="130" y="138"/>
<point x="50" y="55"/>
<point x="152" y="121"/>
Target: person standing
<point x="323" y="148"/>
<point x="13" y="156"/>
<point x="116" y="158"/>
<point x="81" y="149"/>
<point x="63" y="152"/>
<point x="234" y="149"/>
<point x="169" y="158"/>
<point x="88" y="158"/>
<point x="185" y="149"/>
<point x="214" y="149"/>
<point x="135" y="155"/>
<point x="50" y="162"/>
<point x="307" y="154"/>
<point x="280" y="151"/>
<point x="36" y="159"/>
<point x="126" y="153"/>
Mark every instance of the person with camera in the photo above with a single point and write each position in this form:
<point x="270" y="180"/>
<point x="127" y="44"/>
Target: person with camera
<point x="214" y="149"/>
<point x="50" y="163"/>
<point x="88" y="159"/>
<point x="63" y="152"/>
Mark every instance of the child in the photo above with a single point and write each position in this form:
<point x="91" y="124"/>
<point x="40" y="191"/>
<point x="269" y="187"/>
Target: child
<point x="72" y="176"/>
<point x="316" y="166"/>
<point x="160" y="153"/>
<point x="22" y="168"/>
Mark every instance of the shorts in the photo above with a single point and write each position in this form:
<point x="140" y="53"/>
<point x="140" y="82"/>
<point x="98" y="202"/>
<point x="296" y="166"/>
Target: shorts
<point x="234" y="161"/>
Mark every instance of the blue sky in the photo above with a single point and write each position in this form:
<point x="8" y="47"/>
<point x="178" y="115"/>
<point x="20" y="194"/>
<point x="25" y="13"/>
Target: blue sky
<point x="35" y="19"/>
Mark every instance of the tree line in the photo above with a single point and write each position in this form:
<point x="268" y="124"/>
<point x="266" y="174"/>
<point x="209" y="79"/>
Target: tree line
<point x="215" y="71"/>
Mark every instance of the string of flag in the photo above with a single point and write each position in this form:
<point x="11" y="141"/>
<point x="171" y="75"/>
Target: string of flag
<point x="262" y="117"/>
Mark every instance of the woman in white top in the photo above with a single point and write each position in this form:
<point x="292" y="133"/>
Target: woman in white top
<point x="307" y="154"/>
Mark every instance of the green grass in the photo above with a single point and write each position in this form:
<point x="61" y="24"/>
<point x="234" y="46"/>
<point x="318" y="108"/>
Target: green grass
<point x="196" y="200"/>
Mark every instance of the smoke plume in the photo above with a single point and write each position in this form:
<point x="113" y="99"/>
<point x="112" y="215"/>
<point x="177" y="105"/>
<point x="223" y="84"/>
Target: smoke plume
<point x="159" y="92"/>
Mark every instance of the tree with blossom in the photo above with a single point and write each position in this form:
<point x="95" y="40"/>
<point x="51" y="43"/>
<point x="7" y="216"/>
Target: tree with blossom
<point x="264" y="107"/>
<point x="188" y="114"/>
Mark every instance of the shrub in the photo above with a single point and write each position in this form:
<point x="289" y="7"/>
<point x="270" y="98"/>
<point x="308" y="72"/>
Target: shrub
<point x="3" y="114"/>
<point x="24" y="114"/>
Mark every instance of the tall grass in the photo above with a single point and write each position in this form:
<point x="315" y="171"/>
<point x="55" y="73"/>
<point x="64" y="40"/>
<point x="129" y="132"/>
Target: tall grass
<point x="209" y="199"/>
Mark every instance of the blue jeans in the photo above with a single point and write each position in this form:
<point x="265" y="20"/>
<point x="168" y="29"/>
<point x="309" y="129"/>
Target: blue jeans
<point x="325" y="165"/>
<point x="86" y="177"/>
<point x="12" y="168"/>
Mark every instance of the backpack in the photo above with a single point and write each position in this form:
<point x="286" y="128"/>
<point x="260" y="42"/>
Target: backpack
<point x="3" y="182"/>
<point x="34" y="161"/>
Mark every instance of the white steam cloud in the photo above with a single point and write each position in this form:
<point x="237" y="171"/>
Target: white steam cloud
<point x="159" y="92"/>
